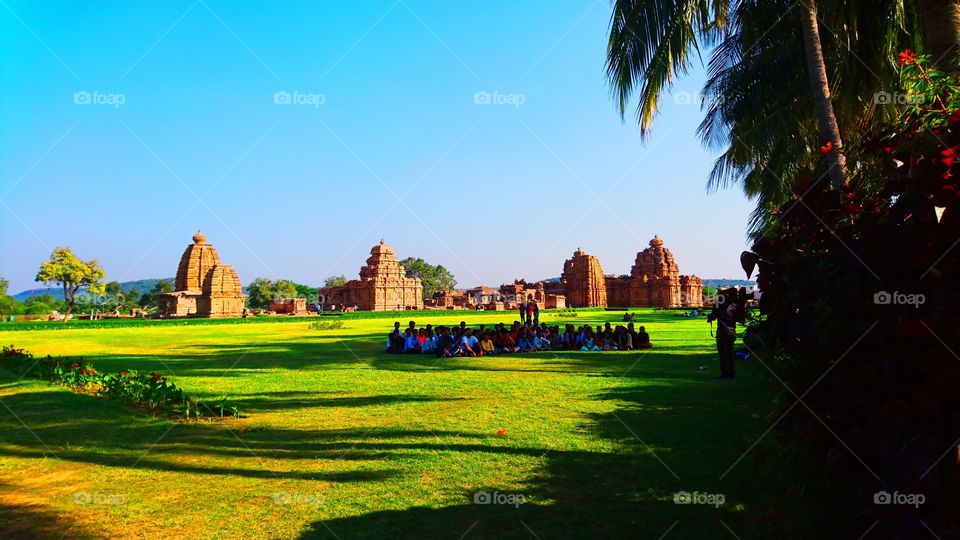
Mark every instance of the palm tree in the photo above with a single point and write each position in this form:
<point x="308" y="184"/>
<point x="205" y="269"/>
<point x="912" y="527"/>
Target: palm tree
<point x="941" y="20"/>
<point x="820" y="86"/>
<point x="758" y="95"/>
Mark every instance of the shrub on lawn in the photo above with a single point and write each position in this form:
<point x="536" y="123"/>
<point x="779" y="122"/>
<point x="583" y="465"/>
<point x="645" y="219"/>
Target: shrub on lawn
<point x="151" y="392"/>
<point x="331" y="324"/>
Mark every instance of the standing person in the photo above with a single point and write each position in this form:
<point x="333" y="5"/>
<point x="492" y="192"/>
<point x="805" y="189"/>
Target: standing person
<point x="523" y="312"/>
<point x="725" y="313"/>
<point x="536" y="314"/>
<point x="531" y="306"/>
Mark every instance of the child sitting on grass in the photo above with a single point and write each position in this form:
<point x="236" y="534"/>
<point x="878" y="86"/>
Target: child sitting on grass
<point x="486" y="344"/>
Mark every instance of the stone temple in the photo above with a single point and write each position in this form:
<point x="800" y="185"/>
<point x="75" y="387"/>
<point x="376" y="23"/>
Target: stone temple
<point x="383" y="285"/>
<point x="582" y="281"/>
<point x="654" y="281"/>
<point x="204" y="286"/>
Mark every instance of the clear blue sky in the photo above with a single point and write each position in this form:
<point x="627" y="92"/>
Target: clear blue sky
<point x="398" y="149"/>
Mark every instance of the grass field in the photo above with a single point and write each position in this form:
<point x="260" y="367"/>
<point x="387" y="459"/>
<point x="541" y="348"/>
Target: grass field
<point x="343" y="441"/>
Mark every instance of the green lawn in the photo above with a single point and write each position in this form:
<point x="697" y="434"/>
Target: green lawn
<point x="343" y="441"/>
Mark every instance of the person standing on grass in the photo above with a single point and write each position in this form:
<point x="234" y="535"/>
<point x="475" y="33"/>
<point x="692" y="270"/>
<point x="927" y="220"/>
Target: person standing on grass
<point x="536" y="314"/>
<point x="725" y="313"/>
<point x="523" y="312"/>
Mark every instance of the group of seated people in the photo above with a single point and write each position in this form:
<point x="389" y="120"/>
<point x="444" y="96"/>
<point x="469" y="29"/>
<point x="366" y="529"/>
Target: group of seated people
<point x="464" y="341"/>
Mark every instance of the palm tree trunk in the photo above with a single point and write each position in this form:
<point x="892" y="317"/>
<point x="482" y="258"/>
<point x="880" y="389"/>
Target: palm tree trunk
<point x="941" y="22"/>
<point x="826" y="119"/>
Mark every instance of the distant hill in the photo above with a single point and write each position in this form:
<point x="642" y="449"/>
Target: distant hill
<point x="141" y="285"/>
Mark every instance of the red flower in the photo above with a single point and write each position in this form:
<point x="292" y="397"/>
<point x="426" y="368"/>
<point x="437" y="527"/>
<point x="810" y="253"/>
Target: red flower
<point x="907" y="57"/>
<point x="124" y="373"/>
<point x="74" y="365"/>
<point x="501" y="431"/>
<point x="826" y="148"/>
<point x="155" y="376"/>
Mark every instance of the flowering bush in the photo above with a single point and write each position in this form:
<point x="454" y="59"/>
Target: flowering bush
<point x="151" y="392"/>
<point x="859" y="307"/>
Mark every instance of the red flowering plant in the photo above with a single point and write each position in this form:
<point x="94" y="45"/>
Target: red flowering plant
<point x="858" y="312"/>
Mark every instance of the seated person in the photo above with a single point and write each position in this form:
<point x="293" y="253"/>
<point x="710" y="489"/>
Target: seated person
<point x="421" y="336"/>
<point x="412" y="344"/>
<point x="469" y="344"/>
<point x="609" y="344"/>
<point x="589" y="339"/>
<point x="643" y="339"/>
<point x="396" y="340"/>
<point x="486" y="344"/>
<point x="624" y="339"/>
<point x="429" y="342"/>
<point x="447" y="346"/>
<point x="539" y="342"/>
<point x="504" y="342"/>
<point x="525" y="342"/>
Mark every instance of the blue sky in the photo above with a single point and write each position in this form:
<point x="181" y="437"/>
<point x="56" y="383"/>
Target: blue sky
<point x="126" y="126"/>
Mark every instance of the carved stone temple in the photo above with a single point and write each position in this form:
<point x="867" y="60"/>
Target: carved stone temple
<point x="204" y="286"/>
<point x="582" y="281"/>
<point x="383" y="285"/>
<point x="655" y="280"/>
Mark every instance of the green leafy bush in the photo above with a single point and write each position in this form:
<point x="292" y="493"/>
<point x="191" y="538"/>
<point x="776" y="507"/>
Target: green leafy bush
<point x="150" y="392"/>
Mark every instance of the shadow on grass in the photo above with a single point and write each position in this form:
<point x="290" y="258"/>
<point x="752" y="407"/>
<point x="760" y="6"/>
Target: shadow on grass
<point x="671" y="428"/>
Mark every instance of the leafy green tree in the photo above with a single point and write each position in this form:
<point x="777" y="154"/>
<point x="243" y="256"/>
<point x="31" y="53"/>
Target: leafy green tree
<point x="335" y="281"/>
<point x="67" y="270"/>
<point x="42" y="304"/>
<point x="305" y="291"/>
<point x="283" y="288"/>
<point x="8" y="305"/>
<point x="434" y="278"/>
<point x="151" y="298"/>
<point x="259" y="292"/>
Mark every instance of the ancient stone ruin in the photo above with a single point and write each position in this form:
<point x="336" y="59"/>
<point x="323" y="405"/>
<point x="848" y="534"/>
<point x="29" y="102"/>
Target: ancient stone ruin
<point x="655" y="281"/>
<point x="383" y="285"/>
<point x="582" y="281"/>
<point x="204" y="286"/>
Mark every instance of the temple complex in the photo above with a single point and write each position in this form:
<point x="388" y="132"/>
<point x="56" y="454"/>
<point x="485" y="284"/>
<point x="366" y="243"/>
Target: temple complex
<point x="582" y="281"/>
<point x="655" y="281"/>
<point x="204" y="286"/>
<point x="383" y="285"/>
